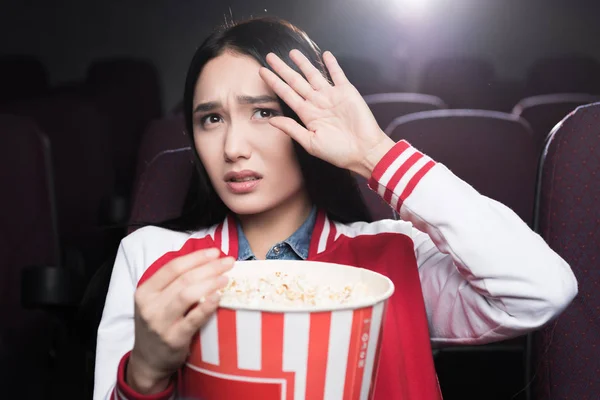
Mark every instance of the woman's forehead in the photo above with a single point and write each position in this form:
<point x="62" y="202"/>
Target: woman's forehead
<point x="230" y="74"/>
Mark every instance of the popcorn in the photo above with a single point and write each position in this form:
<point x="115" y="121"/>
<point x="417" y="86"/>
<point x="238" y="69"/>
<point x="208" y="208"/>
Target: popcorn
<point x="291" y="290"/>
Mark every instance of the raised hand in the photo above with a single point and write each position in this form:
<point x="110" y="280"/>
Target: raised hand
<point x="340" y="127"/>
<point x="170" y="308"/>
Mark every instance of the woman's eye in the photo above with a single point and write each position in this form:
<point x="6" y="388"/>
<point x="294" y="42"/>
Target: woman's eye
<point x="264" y="113"/>
<point x="211" y="119"/>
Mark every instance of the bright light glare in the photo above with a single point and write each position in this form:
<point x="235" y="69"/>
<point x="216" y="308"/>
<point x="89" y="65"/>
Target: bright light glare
<point x="414" y="7"/>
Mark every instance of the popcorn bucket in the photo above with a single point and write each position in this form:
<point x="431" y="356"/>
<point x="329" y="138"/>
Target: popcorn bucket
<point x="275" y="352"/>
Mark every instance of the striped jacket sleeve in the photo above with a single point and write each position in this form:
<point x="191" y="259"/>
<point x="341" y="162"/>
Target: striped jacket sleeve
<point x="122" y="391"/>
<point x="115" y="336"/>
<point x="485" y="275"/>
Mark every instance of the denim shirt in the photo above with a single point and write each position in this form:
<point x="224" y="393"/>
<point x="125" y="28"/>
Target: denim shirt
<point x="293" y="248"/>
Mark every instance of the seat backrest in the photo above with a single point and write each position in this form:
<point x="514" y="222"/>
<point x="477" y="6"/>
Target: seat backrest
<point x="28" y="237"/>
<point x="567" y="351"/>
<point x="543" y="112"/>
<point x="462" y="82"/>
<point x="388" y="106"/>
<point x="28" y="211"/>
<point x="84" y="175"/>
<point x="564" y="74"/>
<point x="162" y="134"/>
<point x="162" y="188"/>
<point x="494" y="152"/>
<point x="127" y="91"/>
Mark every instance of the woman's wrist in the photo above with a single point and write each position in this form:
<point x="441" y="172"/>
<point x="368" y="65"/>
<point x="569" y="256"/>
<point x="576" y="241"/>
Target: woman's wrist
<point x="142" y="380"/>
<point x="374" y="156"/>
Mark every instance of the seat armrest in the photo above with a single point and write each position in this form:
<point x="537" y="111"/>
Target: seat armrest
<point x="115" y="210"/>
<point x="50" y="288"/>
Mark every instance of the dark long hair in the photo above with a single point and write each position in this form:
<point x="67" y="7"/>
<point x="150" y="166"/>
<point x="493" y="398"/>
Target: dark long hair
<point x="330" y="188"/>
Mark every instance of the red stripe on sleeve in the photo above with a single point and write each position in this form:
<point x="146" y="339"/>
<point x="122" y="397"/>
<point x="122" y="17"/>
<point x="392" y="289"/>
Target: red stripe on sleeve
<point x="399" y="174"/>
<point x="413" y="182"/>
<point x="385" y="163"/>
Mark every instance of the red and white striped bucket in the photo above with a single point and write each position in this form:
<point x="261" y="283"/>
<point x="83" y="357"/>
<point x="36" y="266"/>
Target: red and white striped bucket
<point x="276" y="354"/>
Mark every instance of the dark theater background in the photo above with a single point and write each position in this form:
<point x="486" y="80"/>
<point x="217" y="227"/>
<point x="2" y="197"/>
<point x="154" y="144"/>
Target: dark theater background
<point x="92" y="139"/>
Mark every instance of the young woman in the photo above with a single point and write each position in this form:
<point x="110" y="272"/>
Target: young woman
<point x="274" y="149"/>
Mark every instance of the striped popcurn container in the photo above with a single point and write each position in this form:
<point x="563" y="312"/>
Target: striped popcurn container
<point x="274" y="354"/>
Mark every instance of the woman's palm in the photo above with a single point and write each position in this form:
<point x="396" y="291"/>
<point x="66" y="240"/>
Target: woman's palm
<point x="340" y="127"/>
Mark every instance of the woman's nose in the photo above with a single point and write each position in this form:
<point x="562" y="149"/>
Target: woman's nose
<point x="236" y="144"/>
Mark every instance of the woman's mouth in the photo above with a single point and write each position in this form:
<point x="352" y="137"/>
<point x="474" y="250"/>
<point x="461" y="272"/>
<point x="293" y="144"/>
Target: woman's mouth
<point x="242" y="182"/>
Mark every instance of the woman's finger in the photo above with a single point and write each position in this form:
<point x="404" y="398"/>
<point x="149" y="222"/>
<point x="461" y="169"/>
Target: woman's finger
<point x="337" y="74"/>
<point x="282" y="89"/>
<point x="193" y="321"/>
<point x="291" y="77"/>
<point x="188" y="298"/>
<point x="178" y="297"/>
<point x="195" y="275"/>
<point x="175" y="268"/>
<point x="314" y="76"/>
<point x="293" y="129"/>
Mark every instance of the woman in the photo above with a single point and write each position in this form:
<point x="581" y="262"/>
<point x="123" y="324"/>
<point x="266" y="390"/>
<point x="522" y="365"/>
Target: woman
<point x="467" y="270"/>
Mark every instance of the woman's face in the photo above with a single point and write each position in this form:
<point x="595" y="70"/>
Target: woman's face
<point x="251" y="164"/>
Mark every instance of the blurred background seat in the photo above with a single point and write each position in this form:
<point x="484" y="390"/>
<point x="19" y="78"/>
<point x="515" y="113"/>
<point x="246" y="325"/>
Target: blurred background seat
<point x="492" y="151"/>
<point x="161" y="191"/>
<point x="543" y="112"/>
<point x="388" y="106"/>
<point x="84" y="173"/>
<point x="566" y="352"/>
<point x="162" y="134"/>
<point x="28" y="238"/>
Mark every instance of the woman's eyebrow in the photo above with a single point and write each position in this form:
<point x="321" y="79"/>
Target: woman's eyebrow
<point x="257" y="99"/>
<point x="208" y="106"/>
<point x="213" y="105"/>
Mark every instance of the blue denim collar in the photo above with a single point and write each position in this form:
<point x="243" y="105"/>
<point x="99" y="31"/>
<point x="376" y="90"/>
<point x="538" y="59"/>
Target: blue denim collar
<point x="299" y="242"/>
